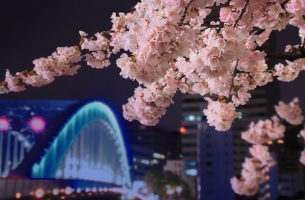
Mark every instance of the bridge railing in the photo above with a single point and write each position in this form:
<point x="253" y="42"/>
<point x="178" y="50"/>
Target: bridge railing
<point x="28" y="187"/>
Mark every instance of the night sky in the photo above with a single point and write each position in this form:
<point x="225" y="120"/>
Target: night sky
<point x="33" y="29"/>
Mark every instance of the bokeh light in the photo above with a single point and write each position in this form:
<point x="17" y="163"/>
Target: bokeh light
<point x="4" y="124"/>
<point x="39" y="193"/>
<point x="182" y="130"/>
<point x="18" y="195"/>
<point x="55" y="191"/>
<point x="37" y="124"/>
<point x="68" y="190"/>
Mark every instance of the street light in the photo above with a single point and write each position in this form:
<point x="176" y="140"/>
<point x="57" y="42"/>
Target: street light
<point x="179" y="189"/>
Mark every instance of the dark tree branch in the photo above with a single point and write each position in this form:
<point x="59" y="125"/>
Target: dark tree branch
<point x="241" y="13"/>
<point x="184" y="13"/>
<point x="256" y="31"/>
<point x="286" y="55"/>
<point x="283" y="4"/>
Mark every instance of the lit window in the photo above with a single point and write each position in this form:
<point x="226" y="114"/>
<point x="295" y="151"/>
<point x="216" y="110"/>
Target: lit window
<point x="191" y="163"/>
<point x="191" y="172"/>
<point x="192" y="118"/>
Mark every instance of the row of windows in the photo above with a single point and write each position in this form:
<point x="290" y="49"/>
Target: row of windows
<point x="211" y="191"/>
<point x="260" y="105"/>
<point x="209" y="173"/>
<point x="187" y="109"/>
<point x="189" y="145"/>
<point x="209" y="136"/>
<point x="190" y="163"/>
<point x="191" y="126"/>
<point x="239" y="144"/>
<point x="190" y="154"/>
<point x="192" y="118"/>
<point x="239" y="152"/>
<point x="209" y="163"/>
<point x="254" y="114"/>
<point x="193" y="100"/>
<point x="189" y="135"/>
<point x="210" y="154"/>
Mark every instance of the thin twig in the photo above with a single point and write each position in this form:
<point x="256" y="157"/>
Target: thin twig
<point x="241" y="13"/>
<point x="256" y="31"/>
<point x="283" y="4"/>
<point x="286" y="55"/>
<point x="184" y="13"/>
<point x="234" y="74"/>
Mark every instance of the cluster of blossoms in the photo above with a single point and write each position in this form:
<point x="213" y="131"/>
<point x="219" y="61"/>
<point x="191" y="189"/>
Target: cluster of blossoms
<point x="173" y="47"/>
<point x="291" y="112"/>
<point x="174" y="37"/>
<point x="251" y="178"/>
<point x="259" y="134"/>
<point x="63" y="62"/>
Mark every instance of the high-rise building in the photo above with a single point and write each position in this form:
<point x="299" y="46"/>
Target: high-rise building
<point x="215" y="163"/>
<point x="150" y="147"/>
<point x="142" y="161"/>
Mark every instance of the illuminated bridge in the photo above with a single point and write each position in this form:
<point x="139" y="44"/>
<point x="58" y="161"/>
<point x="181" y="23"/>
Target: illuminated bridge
<point x="12" y="156"/>
<point x="85" y="152"/>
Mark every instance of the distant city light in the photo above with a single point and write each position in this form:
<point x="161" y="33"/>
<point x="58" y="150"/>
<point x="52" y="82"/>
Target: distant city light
<point x="192" y="118"/>
<point x="18" y="195"/>
<point x="55" y="191"/>
<point x="182" y="130"/>
<point x="39" y="193"/>
<point x="170" y="191"/>
<point x="68" y="190"/>
<point x="142" y="127"/>
<point x="191" y="172"/>
<point x="37" y="124"/>
<point x="280" y="141"/>
<point x="179" y="189"/>
<point x="157" y="155"/>
<point x="4" y="124"/>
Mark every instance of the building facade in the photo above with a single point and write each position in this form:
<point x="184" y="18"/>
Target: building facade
<point x="215" y="163"/>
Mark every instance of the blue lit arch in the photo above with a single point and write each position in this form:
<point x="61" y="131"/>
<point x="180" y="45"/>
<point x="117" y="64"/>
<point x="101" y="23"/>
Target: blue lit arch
<point x="54" y="155"/>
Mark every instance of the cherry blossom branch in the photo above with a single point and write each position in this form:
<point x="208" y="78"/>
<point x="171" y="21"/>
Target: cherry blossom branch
<point x="241" y="13"/>
<point x="260" y="133"/>
<point x="283" y="4"/>
<point x="286" y="55"/>
<point x="184" y="12"/>
<point x="232" y="85"/>
<point x="256" y="31"/>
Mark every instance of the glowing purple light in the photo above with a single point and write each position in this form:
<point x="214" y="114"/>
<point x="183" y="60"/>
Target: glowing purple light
<point x="37" y="124"/>
<point x="4" y="124"/>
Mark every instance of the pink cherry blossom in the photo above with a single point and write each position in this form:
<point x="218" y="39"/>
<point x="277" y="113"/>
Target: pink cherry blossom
<point x="250" y="180"/>
<point x="302" y="158"/>
<point x="291" y="112"/>
<point x="220" y="114"/>
<point x="261" y="153"/>
<point x="264" y="131"/>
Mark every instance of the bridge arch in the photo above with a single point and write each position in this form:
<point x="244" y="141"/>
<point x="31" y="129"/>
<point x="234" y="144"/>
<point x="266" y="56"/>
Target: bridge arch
<point x="94" y="114"/>
<point x="13" y="155"/>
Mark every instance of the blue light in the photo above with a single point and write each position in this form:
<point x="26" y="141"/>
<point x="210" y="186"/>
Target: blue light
<point x="191" y="172"/>
<point x="192" y="118"/>
<point x="52" y="159"/>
